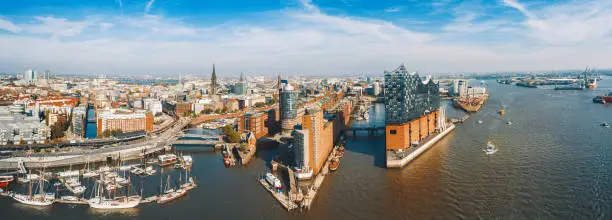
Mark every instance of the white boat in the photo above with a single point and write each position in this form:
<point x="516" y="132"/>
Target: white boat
<point x="104" y="169"/>
<point x="166" y="159"/>
<point x="35" y="200"/>
<point x="491" y="149"/>
<point x="120" y="203"/>
<point x="40" y="199"/>
<point x="479" y="122"/>
<point x="170" y="193"/>
<point x="509" y="123"/>
<point x="69" y="173"/>
<point x="125" y="167"/>
<point x="150" y="171"/>
<point x="89" y="174"/>
<point x="137" y="171"/>
<point x="124" y="202"/>
<point x="121" y="180"/>
<point x="273" y="181"/>
<point x="78" y="190"/>
<point x="69" y="198"/>
<point x="188" y="160"/>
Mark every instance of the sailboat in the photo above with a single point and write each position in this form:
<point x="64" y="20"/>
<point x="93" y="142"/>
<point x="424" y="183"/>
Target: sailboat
<point x="100" y="202"/>
<point x="40" y="199"/>
<point x="170" y="194"/>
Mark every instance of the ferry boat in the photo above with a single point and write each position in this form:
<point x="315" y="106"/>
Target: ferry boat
<point x="273" y="181"/>
<point x="5" y="180"/>
<point x="166" y="159"/>
<point x="335" y="163"/>
<point x="491" y="149"/>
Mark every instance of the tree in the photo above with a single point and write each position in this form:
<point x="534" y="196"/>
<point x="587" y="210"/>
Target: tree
<point x="116" y="132"/>
<point x="259" y="105"/>
<point x="232" y="135"/>
<point x="105" y="134"/>
<point x="57" y="130"/>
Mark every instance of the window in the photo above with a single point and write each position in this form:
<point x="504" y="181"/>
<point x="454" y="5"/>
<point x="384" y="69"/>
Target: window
<point x="393" y="131"/>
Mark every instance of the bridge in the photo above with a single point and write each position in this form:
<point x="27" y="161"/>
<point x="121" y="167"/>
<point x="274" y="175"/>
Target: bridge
<point x="372" y="130"/>
<point x="211" y="143"/>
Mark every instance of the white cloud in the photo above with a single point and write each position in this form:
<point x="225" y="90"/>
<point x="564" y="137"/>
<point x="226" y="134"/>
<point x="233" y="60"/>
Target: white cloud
<point x="308" y="41"/>
<point x="148" y="6"/>
<point x="573" y="22"/>
<point x="57" y="27"/>
<point x="307" y="4"/>
<point x="394" y="9"/>
<point x="9" y="26"/>
<point x="105" y="26"/>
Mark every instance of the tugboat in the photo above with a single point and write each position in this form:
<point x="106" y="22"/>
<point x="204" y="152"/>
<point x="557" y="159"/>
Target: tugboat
<point x="491" y="149"/>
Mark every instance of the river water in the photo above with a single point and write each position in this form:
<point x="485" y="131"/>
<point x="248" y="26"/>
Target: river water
<point x="554" y="162"/>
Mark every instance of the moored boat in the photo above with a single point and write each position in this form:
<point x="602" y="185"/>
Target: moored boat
<point x="335" y="163"/>
<point x="166" y="159"/>
<point x="5" y="180"/>
<point x="273" y="181"/>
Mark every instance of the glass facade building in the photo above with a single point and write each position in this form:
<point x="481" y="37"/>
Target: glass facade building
<point x="407" y="97"/>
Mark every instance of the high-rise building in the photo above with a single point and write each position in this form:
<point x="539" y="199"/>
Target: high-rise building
<point x="320" y="139"/>
<point x="241" y="86"/>
<point x="411" y="107"/>
<point x="213" y="82"/>
<point x="30" y="76"/>
<point x="78" y="121"/>
<point x="301" y="151"/>
<point x="288" y="108"/>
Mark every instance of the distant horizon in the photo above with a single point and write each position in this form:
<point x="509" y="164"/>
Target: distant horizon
<point x="273" y="75"/>
<point x="304" y="37"/>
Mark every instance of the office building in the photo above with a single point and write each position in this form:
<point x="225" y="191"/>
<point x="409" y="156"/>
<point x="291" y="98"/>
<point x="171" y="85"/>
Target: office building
<point x="288" y="108"/>
<point x="124" y="121"/>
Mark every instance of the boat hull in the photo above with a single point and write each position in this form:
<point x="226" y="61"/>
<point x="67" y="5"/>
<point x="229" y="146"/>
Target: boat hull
<point x="96" y="203"/>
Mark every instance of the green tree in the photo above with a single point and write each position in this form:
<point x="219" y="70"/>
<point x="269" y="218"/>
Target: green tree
<point x="57" y="130"/>
<point x="232" y="135"/>
<point x="259" y="105"/>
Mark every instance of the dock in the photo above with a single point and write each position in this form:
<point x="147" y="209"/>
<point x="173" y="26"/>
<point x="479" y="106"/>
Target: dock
<point x="394" y="162"/>
<point x="280" y="197"/>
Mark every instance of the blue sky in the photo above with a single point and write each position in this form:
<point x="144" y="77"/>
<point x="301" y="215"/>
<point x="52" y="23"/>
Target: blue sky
<point x="303" y="37"/>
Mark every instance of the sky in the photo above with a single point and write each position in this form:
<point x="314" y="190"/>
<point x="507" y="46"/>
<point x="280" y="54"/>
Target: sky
<point x="303" y="37"/>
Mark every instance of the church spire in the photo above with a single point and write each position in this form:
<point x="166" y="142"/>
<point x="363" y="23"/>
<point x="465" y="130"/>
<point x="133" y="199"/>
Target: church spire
<point x="213" y="82"/>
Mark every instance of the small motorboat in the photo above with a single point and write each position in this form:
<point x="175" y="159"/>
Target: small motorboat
<point x="479" y="122"/>
<point x="491" y="149"/>
<point x="509" y="123"/>
<point x="605" y="124"/>
<point x="335" y="163"/>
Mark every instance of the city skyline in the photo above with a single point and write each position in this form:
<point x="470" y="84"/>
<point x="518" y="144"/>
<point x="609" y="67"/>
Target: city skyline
<point x="303" y="37"/>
